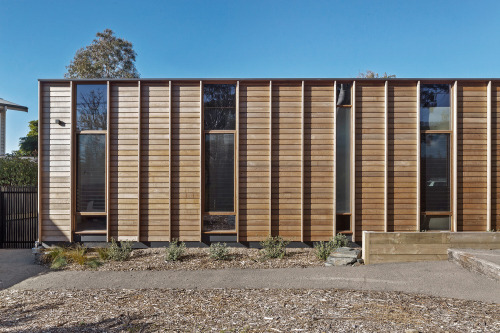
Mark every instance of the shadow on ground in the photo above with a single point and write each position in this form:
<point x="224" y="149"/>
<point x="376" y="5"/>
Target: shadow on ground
<point x="17" y="265"/>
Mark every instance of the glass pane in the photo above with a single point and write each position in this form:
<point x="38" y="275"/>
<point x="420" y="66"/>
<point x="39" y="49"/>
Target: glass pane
<point x="343" y="223"/>
<point x="435" y="172"/>
<point x="91" y="107"/>
<point x="219" y="95"/>
<point x="219" y="222"/>
<point x="434" y="223"/>
<point x="219" y="119"/>
<point x="435" y="107"/>
<point x="343" y="160"/>
<point x="343" y="94"/>
<point x="219" y="172"/>
<point x="86" y="223"/>
<point x="91" y="173"/>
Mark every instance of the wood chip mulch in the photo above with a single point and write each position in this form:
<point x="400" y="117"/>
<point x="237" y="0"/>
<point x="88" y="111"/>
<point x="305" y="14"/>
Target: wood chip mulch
<point x="198" y="258"/>
<point x="230" y="310"/>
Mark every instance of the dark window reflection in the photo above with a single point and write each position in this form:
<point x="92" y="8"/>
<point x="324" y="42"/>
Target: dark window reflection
<point x="86" y="223"/>
<point x="435" y="170"/>
<point x="91" y="107"/>
<point x="344" y="94"/>
<point x="434" y="222"/>
<point x="219" y="102"/>
<point x="91" y="173"/>
<point x="219" y="222"/>
<point x="219" y="172"/>
<point x="343" y="160"/>
<point x="435" y="107"/>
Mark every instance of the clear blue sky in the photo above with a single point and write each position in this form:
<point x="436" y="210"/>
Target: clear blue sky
<point x="251" y="38"/>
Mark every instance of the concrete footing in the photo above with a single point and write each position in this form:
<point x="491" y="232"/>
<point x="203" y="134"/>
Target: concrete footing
<point x="486" y="262"/>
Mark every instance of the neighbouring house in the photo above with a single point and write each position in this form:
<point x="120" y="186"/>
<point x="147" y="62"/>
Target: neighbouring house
<point x="4" y="106"/>
<point x="153" y="160"/>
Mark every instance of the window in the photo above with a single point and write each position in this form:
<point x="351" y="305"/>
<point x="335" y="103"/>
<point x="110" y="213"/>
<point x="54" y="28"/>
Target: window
<point x="343" y="157"/>
<point x="219" y="114"/>
<point x="435" y="167"/>
<point x="91" y="131"/>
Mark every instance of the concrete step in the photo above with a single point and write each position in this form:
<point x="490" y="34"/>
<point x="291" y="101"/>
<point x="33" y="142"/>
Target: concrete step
<point x="486" y="262"/>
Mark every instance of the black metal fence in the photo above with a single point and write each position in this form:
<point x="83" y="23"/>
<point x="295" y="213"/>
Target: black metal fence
<point x="18" y="217"/>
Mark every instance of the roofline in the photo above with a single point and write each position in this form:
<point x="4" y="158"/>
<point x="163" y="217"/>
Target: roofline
<point x="269" y="79"/>
<point x="14" y="108"/>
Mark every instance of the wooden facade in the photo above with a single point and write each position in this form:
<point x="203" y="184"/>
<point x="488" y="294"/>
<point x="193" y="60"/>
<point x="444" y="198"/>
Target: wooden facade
<point x="285" y="155"/>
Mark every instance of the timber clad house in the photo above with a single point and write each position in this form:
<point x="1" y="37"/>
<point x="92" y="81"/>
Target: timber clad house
<point x="152" y="160"/>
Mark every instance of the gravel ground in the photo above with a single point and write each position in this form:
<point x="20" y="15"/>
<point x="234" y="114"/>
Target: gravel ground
<point x="198" y="258"/>
<point x="235" y="310"/>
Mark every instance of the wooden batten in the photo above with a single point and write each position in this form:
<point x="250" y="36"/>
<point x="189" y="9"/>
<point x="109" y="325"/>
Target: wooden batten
<point x="302" y="165"/>
<point x="237" y="164"/>
<point x="488" y="157"/>
<point x="139" y="131"/>
<point x="202" y="150"/>
<point x="72" y="161"/>
<point x="40" y="160"/>
<point x="417" y="213"/>
<point x="455" y="157"/>
<point x="270" y="158"/>
<point x="353" y="161"/>
<point x="169" y="161"/>
<point x="386" y="149"/>
<point x="335" y="120"/>
<point x="108" y="160"/>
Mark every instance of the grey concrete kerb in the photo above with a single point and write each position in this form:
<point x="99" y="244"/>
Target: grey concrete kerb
<point x="486" y="262"/>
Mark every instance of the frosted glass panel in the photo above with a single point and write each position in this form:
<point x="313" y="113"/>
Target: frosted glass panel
<point x="343" y="160"/>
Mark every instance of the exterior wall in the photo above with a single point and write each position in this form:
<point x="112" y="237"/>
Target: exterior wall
<point x="285" y="155"/>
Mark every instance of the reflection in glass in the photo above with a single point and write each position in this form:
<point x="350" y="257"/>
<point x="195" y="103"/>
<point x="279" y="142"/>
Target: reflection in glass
<point x="91" y="173"/>
<point x="220" y="118"/>
<point x="434" y="222"/>
<point x="343" y="160"/>
<point x="435" y="107"/>
<point x="343" y="223"/>
<point x="219" y="172"/>
<point x="91" y="107"/>
<point x="435" y="172"/>
<point x="219" y="222"/>
<point x="86" y="223"/>
<point x="343" y="94"/>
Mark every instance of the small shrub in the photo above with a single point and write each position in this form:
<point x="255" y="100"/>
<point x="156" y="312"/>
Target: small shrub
<point x="119" y="251"/>
<point x="56" y="257"/>
<point x="93" y="263"/>
<point x="273" y="247"/>
<point x="59" y="262"/>
<point x="102" y="252"/>
<point x="77" y="254"/>
<point x="340" y="240"/>
<point x="175" y="250"/>
<point x="323" y="249"/>
<point x="219" y="251"/>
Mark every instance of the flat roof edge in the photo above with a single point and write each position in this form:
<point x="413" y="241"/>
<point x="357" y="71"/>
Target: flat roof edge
<point x="273" y="79"/>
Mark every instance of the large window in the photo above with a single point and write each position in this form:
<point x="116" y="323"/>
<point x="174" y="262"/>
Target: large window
<point x="435" y="168"/>
<point x="343" y="157"/>
<point x="91" y="129"/>
<point x="219" y="114"/>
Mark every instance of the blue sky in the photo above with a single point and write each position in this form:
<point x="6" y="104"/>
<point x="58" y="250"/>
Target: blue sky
<point x="182" y="39"/>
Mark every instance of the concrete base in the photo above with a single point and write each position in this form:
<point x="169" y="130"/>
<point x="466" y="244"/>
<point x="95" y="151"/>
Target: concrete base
<point x="486" y="262"/>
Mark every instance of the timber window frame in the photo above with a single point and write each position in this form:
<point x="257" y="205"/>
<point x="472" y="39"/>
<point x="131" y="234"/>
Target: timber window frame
<point x="79" y="214"/>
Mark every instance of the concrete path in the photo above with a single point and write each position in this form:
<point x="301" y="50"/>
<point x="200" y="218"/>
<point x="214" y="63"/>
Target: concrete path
<point x="16" y="266"/>
<point x="486" y="262"/>
<point x="438" y="278"/>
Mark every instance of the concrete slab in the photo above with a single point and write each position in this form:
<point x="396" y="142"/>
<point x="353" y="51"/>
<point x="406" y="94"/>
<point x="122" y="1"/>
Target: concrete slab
<point x="17" y="265"/>
<point x="486" y="262"/>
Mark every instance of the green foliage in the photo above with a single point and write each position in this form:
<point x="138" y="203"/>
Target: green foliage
<point x="93" y="263"/>
<point x="323" y="249"/>
<point x="102" y="252"/>
<point x="372" y="75"/>
<point x="59" y="263"/>
<point x="340" y="240"/>
<point x="175" y="250"/>
<point x="219" y="251"/>
<point x="119" y="251"/>
<point x="77" y="254"/>
<point x="28" y="145"/>
<point x="273" y="247"/>
<point x="106" y="57"/>
<point x="18" y="171"/>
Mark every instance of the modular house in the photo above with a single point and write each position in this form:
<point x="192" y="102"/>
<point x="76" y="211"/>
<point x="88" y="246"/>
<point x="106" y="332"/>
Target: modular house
<point x="153" y="160"/>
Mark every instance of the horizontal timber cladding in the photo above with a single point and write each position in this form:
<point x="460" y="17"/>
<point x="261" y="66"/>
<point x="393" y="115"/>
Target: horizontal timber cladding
<point x="185" y="158"/>
<point x="286" y="165"/>
<point x="471" y="159"/>
<point x="155" y="137"/>
<point x="319" y="136"/>
<point x="495" y="156"/>
<point x="55" y="162"/>
<point x="402" y="157"/>
<point x="370" y="156"/>
<point x="124" y="160"/>
<point x="254" y="160"/>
